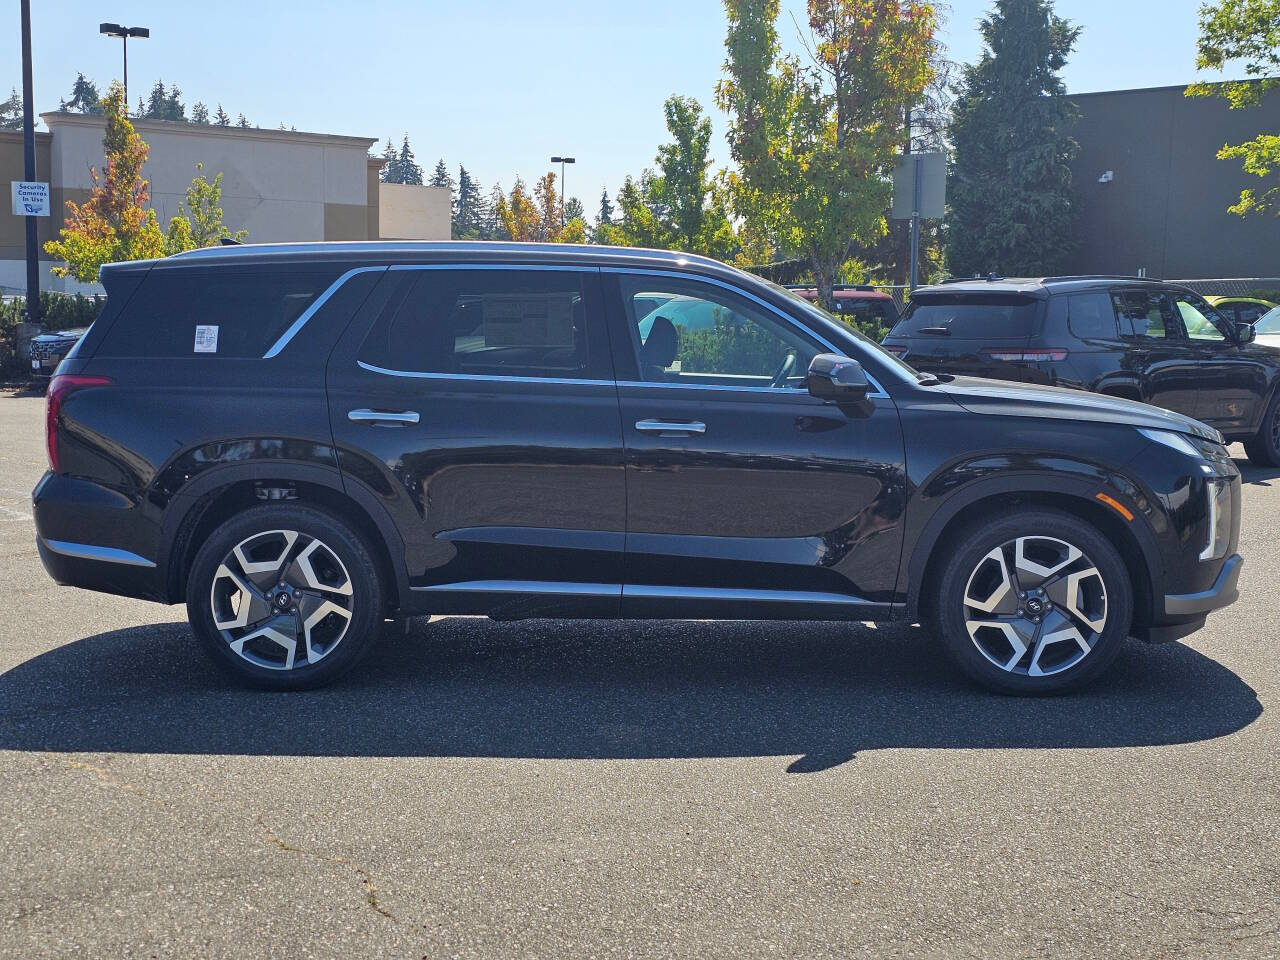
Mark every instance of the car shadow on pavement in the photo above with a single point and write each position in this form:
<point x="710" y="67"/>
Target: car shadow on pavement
<point x="469" y="687"/>
<point x="1262" y="476"/>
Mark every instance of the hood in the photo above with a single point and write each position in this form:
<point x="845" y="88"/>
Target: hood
<point x="1001" y="398"/>
<point x="62" y="335"/>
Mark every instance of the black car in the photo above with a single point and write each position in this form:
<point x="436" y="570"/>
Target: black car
<point x="47" y="350"/>
<point x="303" y="441"/>
<point x="1125" y="337"/>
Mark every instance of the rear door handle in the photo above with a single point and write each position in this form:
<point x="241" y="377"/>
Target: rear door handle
<point x="671" y="428"/>
<point x="383" y="416"/>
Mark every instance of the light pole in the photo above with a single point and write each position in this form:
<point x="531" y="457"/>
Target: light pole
<point x="124" y="33"/>
<point x="562" y="161"/>
<point x="29" y="167"/>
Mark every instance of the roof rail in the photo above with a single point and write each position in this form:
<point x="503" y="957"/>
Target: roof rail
<point x="1099" y="276"/>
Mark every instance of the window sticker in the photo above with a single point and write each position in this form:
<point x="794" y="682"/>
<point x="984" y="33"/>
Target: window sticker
<point x="206" y="339"/>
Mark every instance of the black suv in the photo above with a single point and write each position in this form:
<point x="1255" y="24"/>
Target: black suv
<point x="303" y="441"/>
<point x="1125" y="337"/>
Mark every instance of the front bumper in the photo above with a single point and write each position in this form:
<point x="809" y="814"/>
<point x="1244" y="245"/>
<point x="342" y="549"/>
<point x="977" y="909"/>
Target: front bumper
<point x="1223" y="592"/>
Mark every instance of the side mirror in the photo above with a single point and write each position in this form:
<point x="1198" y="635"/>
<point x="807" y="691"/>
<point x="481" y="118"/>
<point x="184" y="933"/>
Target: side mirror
<point x="1246" y="332"/>
<point x="836" y="378"/>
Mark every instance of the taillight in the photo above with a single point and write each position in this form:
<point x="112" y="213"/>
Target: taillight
<point x="59" y="388"/>
<point x="1024" y="356"/>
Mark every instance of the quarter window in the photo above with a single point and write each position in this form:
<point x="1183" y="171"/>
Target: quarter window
<point x="1091" y="316"/>
<point x="694" y="334"/>
<point x="528" y="323"/>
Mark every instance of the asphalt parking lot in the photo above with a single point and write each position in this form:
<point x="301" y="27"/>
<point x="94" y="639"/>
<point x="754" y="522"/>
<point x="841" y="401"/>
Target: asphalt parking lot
<point x="654" y="789"/>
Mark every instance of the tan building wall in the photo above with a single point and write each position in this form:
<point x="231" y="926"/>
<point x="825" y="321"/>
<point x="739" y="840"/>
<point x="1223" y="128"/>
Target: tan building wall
<point x="13" y="230"/>
<point x="407" y="212"/>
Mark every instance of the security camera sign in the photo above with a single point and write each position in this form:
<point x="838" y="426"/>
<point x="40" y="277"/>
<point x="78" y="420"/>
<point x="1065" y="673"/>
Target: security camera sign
<point x="30" y="198"/>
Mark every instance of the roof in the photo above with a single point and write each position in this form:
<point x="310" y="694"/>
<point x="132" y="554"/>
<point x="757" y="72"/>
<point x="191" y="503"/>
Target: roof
<point x="1030" y="286"/>
<point x="844" y="293"/>
<point x="61" y="118"/>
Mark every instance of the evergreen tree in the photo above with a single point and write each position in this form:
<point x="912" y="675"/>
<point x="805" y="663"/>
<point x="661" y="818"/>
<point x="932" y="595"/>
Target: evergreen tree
<point x="200" y="113"/>
<point x="241" y="121"/>
<point x="440" y="177"/>
<point x="409" y="171"/>
<point x="11" y="111"/>
<point x="157" y="103"/>
<point x="573" y="210"/>
<point x="390" y="172"/>
<point x="605" y="217"/>
<point x="468" y="217"/>
<point x="1010" y="189"/>
<point x="174" y="106"/>
<point x="84" y="98"/>
<point x="142" y="111"/>
<point x="220" y="118"/>
<point x="493" y="228"/>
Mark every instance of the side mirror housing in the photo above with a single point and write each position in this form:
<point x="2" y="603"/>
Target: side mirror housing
<point x="836" y="378"/>
<point x="1246" y="332"/>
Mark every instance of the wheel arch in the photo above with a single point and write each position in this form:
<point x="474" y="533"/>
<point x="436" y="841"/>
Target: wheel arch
<point x="1133" y="539"/>
<point x="220" y="494"/>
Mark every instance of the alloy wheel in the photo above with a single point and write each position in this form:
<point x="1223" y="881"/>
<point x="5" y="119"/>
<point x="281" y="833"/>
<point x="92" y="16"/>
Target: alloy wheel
<point x="282" y="599"/>
<point x="1035" y="606"/>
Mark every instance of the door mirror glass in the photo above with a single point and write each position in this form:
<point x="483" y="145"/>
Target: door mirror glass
<point x="837" y="378"/>
<point x="1246" y="333"/>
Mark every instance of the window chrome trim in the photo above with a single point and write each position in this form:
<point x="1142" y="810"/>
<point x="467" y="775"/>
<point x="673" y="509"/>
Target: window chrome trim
<point x="649" y="592"/>
<point x="568" y="267"/>
<point x="481" y="377"/>
<point x="526" y="586"/>
<point x="316" y="304"/>
<point x="879" y="392"/>
<point x="88" y="551"/>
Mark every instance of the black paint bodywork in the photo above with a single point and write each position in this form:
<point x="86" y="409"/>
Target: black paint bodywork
<point x="519" y="497"/>
<point x="1227" y="384"/>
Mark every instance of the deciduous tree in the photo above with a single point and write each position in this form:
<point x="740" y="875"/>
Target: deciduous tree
<point x="1247" y="32"/>
<point x="115" y="223"/>
<point x="1010" y="188"/>
<point x="199" y="220"/>
<point x="814" y="139"/>
<point x="518" y="216"/>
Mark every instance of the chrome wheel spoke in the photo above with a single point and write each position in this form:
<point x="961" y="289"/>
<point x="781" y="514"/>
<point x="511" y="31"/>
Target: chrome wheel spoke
<point x="281" y="631"/>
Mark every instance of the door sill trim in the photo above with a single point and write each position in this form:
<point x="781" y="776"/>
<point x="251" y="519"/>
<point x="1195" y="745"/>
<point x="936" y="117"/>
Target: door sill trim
<point x="649" y="592"/>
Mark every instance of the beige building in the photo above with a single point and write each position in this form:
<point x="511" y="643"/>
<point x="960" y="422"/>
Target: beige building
<point x="278" y="185"/>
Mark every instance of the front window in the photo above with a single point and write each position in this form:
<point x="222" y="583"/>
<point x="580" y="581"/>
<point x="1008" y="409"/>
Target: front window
<point x="1144" y="314"/>
<point x="700" y="335"/>
<point x="1197" y="320"/>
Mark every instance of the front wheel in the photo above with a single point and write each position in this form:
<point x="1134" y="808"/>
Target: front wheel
<point x="285" y="597"/>
<point x="1264" y="448"/>
<point x="1035" y="602"/>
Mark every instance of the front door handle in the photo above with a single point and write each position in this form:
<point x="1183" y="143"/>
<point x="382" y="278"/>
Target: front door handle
<point x="671" y="428"/>
<point x="383" y="416"/>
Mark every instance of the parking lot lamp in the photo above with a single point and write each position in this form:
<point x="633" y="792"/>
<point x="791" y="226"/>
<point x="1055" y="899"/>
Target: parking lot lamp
<point x="124" y="33"/>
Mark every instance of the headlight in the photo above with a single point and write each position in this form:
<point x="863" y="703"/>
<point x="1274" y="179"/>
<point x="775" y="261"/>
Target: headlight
<point x="1219" y="495"/>
<point x="1185" y="443"/>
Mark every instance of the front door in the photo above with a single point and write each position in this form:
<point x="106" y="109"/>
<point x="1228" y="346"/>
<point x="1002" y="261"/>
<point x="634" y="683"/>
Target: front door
<point x="746" y="497"/>
<point x="479" y="405"/>
<point x="1231" y="382"/>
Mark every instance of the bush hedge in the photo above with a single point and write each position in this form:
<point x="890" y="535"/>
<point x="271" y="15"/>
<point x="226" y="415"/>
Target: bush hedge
<point x="58" y="311"/>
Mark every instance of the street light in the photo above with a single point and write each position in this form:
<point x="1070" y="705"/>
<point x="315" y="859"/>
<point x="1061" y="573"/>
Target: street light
<point x="124" y="33"/>
<point x="562" y="161"/>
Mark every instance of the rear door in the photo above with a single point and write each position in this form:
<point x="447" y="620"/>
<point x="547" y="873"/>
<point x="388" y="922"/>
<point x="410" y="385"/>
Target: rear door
<point x="478" y="403"/>
<point x="971" y="334"/>
<point x="1157" y="349"/>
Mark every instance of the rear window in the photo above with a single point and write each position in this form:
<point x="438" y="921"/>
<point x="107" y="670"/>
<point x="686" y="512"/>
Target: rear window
<point x="970" y="316"/>
<point x="213" y="312"/>
<point x="867" y="309"/>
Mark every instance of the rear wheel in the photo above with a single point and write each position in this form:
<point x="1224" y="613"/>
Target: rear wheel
<point x="1264" y="448"/>
<point x="1038" y="601"/>
<point x="285" y="597"/>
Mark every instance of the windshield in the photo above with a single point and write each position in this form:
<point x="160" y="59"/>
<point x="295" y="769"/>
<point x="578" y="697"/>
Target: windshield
<point x="889" y="359"/>
<point x="1269" y="322"/>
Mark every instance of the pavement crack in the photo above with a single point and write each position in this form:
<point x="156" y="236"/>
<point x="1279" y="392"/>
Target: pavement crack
<point x="366" y="879"/>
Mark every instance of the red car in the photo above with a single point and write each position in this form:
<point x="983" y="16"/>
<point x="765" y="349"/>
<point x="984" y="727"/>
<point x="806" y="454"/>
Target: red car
<point x="858" y="303"/>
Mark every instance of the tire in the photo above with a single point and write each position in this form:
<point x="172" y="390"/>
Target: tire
<point x="285" y="597"/>
<point x="1264" y="448"/>
<point x="1028" y="607"/>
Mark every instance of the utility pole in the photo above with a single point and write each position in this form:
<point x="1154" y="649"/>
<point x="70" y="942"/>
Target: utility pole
<point x="915" y="208"/>
<point x="29" y="167"/>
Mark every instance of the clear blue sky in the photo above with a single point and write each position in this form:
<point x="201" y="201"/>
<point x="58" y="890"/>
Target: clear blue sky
<point x="499" y="86"/>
